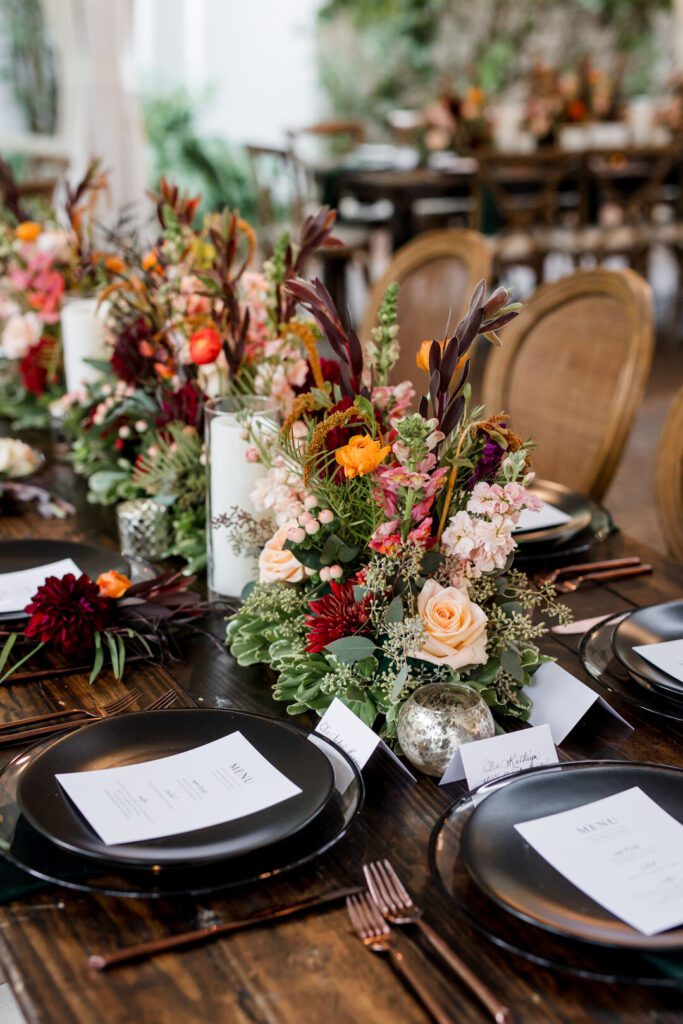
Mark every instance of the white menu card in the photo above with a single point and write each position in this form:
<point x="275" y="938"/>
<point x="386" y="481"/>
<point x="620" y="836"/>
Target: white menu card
<point x="217" y="782"/>
<point x="624" y="851"/>
<point x="17" y="588"/>
<point x="548" y="516"/>
<point x="667" y="656"/>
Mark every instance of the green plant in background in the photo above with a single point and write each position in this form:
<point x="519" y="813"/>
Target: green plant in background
<point x="31" y="66"/>
<point x="209" y="166"/>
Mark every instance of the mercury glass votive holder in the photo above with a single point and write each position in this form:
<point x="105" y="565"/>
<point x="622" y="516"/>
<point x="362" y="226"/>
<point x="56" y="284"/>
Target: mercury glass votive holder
<point x="437" y="719"/>
<point x="143" y="528"/>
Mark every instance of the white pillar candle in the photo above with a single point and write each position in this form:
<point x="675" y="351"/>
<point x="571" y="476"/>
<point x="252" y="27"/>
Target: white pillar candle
<point x="231" y="481"/>
<point x="82" y="338"/>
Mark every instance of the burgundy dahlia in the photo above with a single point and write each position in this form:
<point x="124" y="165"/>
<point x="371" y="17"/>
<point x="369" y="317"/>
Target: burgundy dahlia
<point x="336" y="615"/>
<point x="185" y="405"/>
<point x="34" y="367"/>
<point x="66" y="613"/>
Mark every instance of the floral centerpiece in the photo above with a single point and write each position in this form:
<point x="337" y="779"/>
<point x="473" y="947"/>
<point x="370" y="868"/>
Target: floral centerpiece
<point x="458" y="122"/>
<point x="40" y="262"/>
<point x="74" y="617"/>
<point x="391" y="562"/>
<point x="573" y="96"/>
<point x="189" y="320"/>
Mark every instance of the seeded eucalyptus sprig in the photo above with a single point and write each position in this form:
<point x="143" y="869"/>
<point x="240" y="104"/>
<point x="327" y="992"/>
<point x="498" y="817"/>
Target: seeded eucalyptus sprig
<point x="449" y="362"/>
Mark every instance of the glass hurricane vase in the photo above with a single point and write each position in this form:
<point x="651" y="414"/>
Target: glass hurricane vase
<point x="437" y="719"/>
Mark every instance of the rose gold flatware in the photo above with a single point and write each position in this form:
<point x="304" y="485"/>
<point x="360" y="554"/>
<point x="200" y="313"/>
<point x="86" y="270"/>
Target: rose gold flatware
<point x="375" y="934"/>
<point x="104" y="961"/>
<point x="166" y="700"/>
<point x="569" y="586"/>
<point x="58" y="721"/>
<point x="571" y="570"/>
<point x="396" y="904"/>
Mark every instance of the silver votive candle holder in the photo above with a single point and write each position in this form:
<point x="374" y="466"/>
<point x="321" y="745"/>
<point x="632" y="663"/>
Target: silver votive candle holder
<point x="143" y="528"/>
<point x="437" y="719"/>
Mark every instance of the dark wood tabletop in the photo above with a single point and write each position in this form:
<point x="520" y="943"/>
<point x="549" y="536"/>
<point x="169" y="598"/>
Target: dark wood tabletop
<point x="311" y="969"/>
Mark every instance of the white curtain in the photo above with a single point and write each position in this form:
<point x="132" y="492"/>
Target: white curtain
<point x="99" y="113"/>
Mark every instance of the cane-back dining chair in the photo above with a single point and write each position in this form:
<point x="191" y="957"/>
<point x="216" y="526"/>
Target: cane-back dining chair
<point x="669" y="479"/>
<point x="572" y="371"/>
<point x="436" y="274"/>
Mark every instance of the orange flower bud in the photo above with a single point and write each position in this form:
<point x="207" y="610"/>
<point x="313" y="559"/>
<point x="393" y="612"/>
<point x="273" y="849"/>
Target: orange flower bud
<point x="423" y="357"/>
<point x="205" y="346"/>
<point x="113" y="584"/>
<point x="361" y="455"/>
<point x="150" y="260"/>
<point x="28" y="231"/>
<point x="114" y="264"/>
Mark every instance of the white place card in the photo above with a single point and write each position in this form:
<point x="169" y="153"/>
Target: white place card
<point x="560" y="700"/>
<point x="485" y="760"/>
<point x="547" y="516"/>
<point x="624" y="851"/>
<point x="211" y="784"/>
<point x="17" y="588"/>
<point x="358" y="740"/>
<point x="667" y="656"/>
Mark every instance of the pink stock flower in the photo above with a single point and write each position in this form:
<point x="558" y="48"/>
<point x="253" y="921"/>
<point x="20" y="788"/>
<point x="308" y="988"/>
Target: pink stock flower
<point x="395" y="399"/>
<point x="482" y="545"/>
<point x="43" y="285"/>
<point x="496" y="500"/>
<point x="426" y="485"/>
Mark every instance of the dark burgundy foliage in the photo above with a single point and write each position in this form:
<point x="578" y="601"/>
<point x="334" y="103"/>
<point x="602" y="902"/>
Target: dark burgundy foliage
<point x="168" y="596"/>
<point x="133" y="357"/>
<point x="186" y="405"/>
<point x="316" y="233"/>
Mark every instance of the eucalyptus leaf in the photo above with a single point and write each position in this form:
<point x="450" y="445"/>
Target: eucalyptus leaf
<point x="351" y="648"/>
<point x="394" y="612"/>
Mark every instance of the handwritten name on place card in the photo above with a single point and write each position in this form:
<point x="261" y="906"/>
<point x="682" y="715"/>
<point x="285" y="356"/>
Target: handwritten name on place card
<point x="486" y="760"/>
<point x="341" y="725"/>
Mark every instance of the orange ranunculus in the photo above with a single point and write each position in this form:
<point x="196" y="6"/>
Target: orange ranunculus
<point x="361" y="455"/>
<point x="205" y="346"/>
<point x="113" y="584"/>
<point x="28" y="231"/>
<point x="423" y="357"/>
<point x="150" y="260"/>
<point x="114" y="264"/>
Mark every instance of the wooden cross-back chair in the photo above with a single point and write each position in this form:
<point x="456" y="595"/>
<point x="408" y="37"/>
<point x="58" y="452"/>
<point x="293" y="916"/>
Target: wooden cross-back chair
<point x="572" y="371"/>
<point x="669" y="479"/>
<point x="436" y="274"/>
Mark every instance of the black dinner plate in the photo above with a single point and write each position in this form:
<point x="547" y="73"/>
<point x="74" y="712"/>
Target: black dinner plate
<point x="598" y="658"/>
<point x="653" y="625"/>
<point x="147" y="736"/>
<point x="517" y="878"/>
<point x="25" y="848"/>
<point x="576" y="506"/>
<point x="17" y="555"/>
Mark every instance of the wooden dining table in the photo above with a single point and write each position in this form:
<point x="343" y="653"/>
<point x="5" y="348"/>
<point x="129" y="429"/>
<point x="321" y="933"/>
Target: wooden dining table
<point x="312" y="968"/>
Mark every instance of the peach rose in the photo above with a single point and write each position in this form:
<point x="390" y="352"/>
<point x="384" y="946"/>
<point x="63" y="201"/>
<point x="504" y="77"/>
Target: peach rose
<point x="113" y="584"/>
<point x="20" y="332"/>
<point x="456" y="627"/>
<point x="276" y="563"/>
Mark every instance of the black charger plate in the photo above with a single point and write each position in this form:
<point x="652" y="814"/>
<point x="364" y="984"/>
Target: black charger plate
<point x="512" y="874"/>
<point x="513" y="935"/>
<point x="27" y="849"/>
<point x="147" y="736"/>
<point x="18" y="555"/>
<point x="652" y="625"/>
<point x="597" y="657"/>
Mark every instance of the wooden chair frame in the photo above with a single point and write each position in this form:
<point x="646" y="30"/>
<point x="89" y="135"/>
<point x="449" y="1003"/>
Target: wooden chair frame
<point x="468" y="247"/>
<point x="669" y="479"/>
<point x="634" y="294"/>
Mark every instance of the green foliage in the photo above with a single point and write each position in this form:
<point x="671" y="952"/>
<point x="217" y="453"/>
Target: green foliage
<point x="209" y="166"/>
<point x="31" y="65"/>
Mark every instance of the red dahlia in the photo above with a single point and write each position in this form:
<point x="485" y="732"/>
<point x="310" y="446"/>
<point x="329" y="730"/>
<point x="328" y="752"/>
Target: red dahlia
<point x="66" y="613"/>
<point x="336" y="615"/>
<point x="35" y="366"/>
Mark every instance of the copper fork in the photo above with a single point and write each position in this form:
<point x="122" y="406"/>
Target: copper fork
<point x="375" y="934"/>
<point x="57" y="721"/>
<point x="395" y="903"/>
<point x="166" y="700"/>
<point x="569" y="586"/>
<point x="570" y="570"/>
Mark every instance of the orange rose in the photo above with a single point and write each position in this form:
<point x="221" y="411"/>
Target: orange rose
<point x="150" y="260"/>
<point x="114" y="265"/>
<point x="28" y="231"/>
<point x="113" y="584"/>
<point x="205" y="346"/>
<point x="361" y="455"/>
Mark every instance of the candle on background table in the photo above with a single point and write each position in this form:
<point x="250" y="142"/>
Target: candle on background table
<point x="83" y="338"/>
<point x="231" y="480"/>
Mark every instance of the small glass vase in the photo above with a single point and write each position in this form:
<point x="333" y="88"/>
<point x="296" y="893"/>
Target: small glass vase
<point x="143" y="528"/>
<point x="437" y="719"/>
<point x="230" y="481"/>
